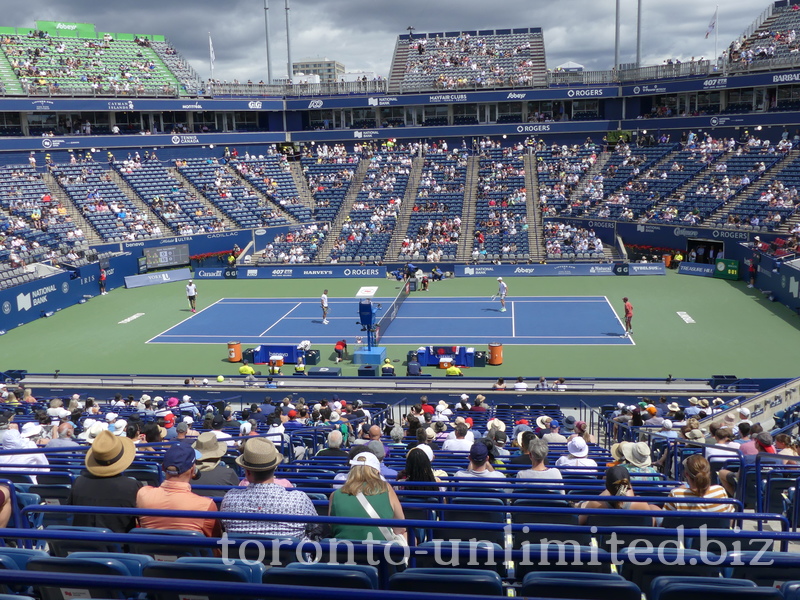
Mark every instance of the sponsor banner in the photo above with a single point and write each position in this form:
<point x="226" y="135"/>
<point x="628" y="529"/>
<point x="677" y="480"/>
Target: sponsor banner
<point x="139" y="104"/>
<point x="646" y="269"/>
<point x="551" y="270"/>
<point x="216" y="273"/>
<point x="745" y="120"/>
<point x="307" y="272"/>
<point x="135" y="281"/>
<point x="111" y="142"/>
<point x="687" y="268"/>
<point x="711" y="83"/>
<point x="455" y="131"/>
<point x="559" y="93"/>
<point x="30" y="301"/>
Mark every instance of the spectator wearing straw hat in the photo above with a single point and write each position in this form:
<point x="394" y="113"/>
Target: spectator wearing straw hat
<point x="210" y="468"/>
<point x="104" y="483"/>
<point x="175" y="494"/>
<point x="638" y="460"/>
<point x="259" y="459"/>
<point x="693" y="409"/>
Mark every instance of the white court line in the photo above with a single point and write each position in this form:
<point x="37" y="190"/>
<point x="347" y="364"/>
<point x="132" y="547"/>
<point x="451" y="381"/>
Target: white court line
<point x="184" y="321"/>
<point x="513" y="322"/>
<point x="488" y="337"/>
<point x="263" y="333"/>
<point x="616" y="316"/>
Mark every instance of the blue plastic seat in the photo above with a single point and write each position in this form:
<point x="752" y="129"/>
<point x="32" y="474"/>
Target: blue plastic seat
<point x="448" y="581"/>
<point x="63" y="548"/>
<point x="322" y="569"/>
<point x="643" y="565"/>
<point x="689" y="591"/>
<point x="332" y="577"/>
<point x="661" y="583"/>
<point x="80" y="566"/>
<point x="135" y="563"/>
<point x="764" y="569"/>
<point x="579" y="586"/>
<point x="162" y="550"/>
<point x="254" y="569"/>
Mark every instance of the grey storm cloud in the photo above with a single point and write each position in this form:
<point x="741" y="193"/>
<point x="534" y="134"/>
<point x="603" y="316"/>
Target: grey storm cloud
<point x="362" y="33"/>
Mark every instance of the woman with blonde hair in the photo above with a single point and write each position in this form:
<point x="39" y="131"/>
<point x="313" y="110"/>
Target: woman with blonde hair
<point x="365" y="492"/>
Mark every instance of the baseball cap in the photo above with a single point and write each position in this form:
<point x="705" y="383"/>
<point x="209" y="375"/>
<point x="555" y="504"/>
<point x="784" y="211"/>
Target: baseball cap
<point x="366" y="459"/>
<point x="764" y="441"/>
<point x="478" y="453"/>
<point x="292" y="414"/>
<point x="499" y="279"/>
<point x="744" y="411"/>
<point x="217" y="421"/>
<point x="554" y="424"/>
<point x="179" y="459"/>
<point x="465" y="396"/>
<point x="182" y="427"/>
<point x="667" y="424"/>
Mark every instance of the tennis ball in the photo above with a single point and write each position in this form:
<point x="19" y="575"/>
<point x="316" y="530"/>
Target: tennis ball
<point x="220" y="378"/>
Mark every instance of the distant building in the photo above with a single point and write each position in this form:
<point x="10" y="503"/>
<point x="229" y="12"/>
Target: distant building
<point x="329" y="71"/>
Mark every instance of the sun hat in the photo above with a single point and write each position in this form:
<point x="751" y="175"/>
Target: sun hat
<point x="703" y="403"/>
<point x="109" y="455"/>
<point x="569" y="423"/>
<point x="145" y="398"/>
<point x="209" y="446"/>
<point x="694" y="434"/>
<point x="673" y="407"/>
<point x="430" y="433"/>
<point x="577" y="447"/>
<point x="637" y="454"/>
<point x="31" y="429"/>
<point x="443" y="403"/>
<point x="95" y="430"/>
<point x="179" y="458"/>
<point x="496" y="424"/>
<point x="173" y="402"/>
<point x="616" y="451"/>
<point x="259" y="454"/>
<point x="111" y="416"/>
<point x="478" y="453"/>
<point x="120" y="425"/>
<point x="543" y="422"/>
<point x="693" y="400"/>
<point x="365" y="459"/>
<point x="334" y="417"/>
<point x="717" y="401"/>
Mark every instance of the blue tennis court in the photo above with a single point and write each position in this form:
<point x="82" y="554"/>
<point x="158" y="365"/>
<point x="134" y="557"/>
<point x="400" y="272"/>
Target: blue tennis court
<point x="424" y="321"/>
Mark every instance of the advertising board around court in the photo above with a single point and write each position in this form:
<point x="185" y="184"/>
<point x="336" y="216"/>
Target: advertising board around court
<point x="557" y="270"/>
<point x="134" y="281"/>
<point x="296" y="272"/>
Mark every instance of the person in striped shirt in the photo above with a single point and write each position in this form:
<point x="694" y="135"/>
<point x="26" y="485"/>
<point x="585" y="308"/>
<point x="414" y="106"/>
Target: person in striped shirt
<point x="697" y="473"/>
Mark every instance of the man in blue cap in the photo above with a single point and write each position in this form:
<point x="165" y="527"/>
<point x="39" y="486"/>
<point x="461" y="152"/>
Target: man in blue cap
<point x="175" y="493"/>
<point x="553" y="436"/>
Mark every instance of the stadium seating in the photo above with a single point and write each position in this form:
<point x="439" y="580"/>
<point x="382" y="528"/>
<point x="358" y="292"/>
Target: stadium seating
<point x="103" y="203"/>
<point x="501" y="216"/>
<point x="270" y="175"/>
<point x="471" y="59"/>
<point x="368" y="227"/>
<point x="227" y="192"/>
<point x="167" y="197"/>
<point x="79" y="66"/>
<point x="329" y="175"/>
<point x="435" y="220"/>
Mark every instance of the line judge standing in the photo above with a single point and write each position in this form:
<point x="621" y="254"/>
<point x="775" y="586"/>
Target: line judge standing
<point x="191" y="295"/>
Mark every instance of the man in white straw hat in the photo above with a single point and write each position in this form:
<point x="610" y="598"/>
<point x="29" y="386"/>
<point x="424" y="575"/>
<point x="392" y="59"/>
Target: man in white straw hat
<point x="260" y="458"/>
<point x="210" y="468"/>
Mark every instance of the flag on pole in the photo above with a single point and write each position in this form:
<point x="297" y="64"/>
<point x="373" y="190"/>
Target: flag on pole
<point x="713" y="24"/>
<point x="211" y="49"/>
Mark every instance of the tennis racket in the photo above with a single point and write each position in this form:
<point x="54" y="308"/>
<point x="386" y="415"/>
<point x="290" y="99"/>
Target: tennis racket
<point x="494" y="297"/>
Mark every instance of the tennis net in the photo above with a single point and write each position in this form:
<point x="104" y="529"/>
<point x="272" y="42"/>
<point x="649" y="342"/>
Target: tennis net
<point x="391" y="312"/>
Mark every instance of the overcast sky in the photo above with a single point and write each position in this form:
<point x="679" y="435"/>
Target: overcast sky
<point x="362" y="33"/>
